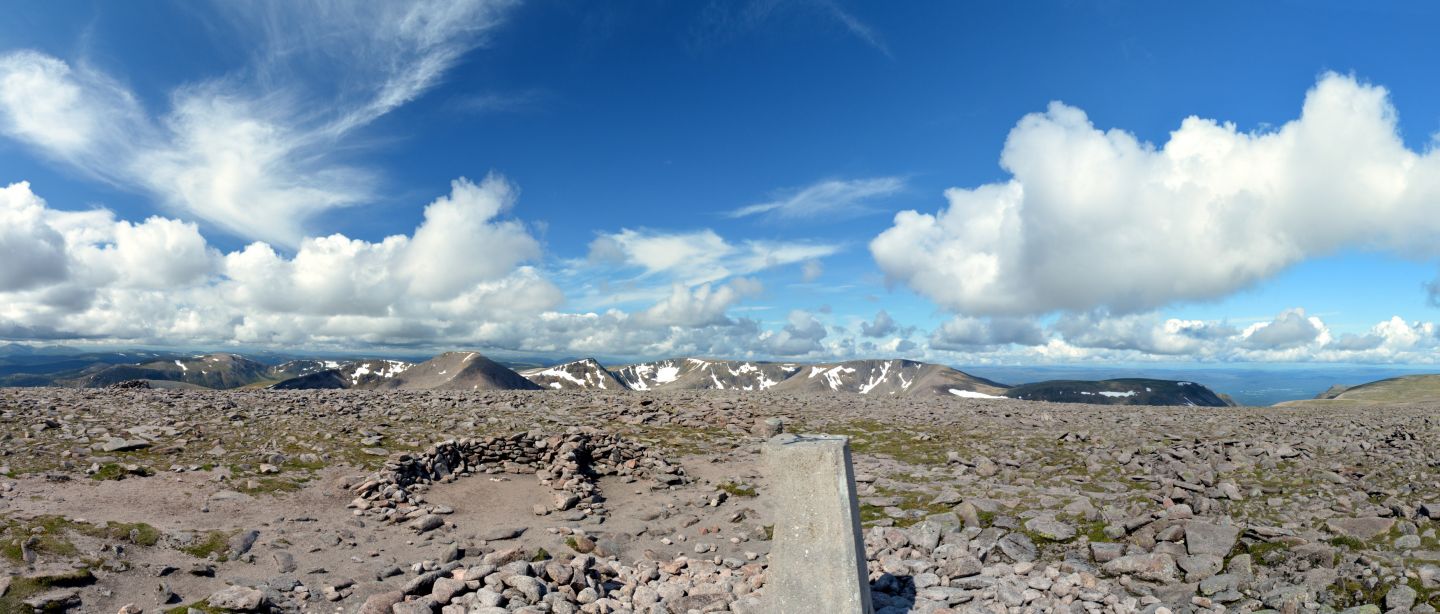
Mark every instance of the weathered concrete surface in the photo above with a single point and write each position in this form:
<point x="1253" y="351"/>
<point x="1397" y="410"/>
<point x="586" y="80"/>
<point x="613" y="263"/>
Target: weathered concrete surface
<point x="817" y="560"/>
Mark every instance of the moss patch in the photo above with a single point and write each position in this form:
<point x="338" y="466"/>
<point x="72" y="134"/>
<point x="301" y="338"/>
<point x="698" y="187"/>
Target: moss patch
<point x="215" y="543"/>
<point x="203" y="606"/>
<point x="24" y="588"/>
<point x="738" y="490"/>
<point x="116" y="471"/>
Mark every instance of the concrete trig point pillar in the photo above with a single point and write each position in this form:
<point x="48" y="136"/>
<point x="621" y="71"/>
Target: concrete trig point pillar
<point x="817" y="561"/>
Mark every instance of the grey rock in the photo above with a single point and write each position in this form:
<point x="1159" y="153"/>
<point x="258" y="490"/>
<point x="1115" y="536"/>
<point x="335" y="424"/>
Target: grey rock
<point x="116" y="444"/>
<point x="423" y="605"/>
<point x="1209" y="538"/>
<point x="1050" y="529"/>
<point x="54" y="600"/>
<point x="428" y="522"/>
<point x="284" y="561"/>
<point x="1155" y="567"/>
<point x="243" y="542"/>
<point x="381" y="603"/>
<point x="237" y="598"/>
<point x="1400" y="597"/>
<point x="1362" y="529"/>
<point x="446" y="588"/>
<point x="1104" y="552"/>
<point x="1018" y="547"/>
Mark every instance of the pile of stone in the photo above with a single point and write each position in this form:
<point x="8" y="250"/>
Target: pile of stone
<point x="569" y="463"/>
<point x="504" y="582"/>
<point x="133" y="384"/>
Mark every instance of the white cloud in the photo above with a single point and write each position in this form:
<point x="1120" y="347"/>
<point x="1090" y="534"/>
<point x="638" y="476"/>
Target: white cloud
<point x="700" y="257"/>
<point x="827" y="199"/>
<point x="801" y="334"/>
<point x="1097" y="219"/>
<point x="250" y="152"/>
<point x="88" y="275"/>
<point x="811" y="270"/>
<point x="460" y="243"/>
<point x="72" y="113"/>
<point x="31" y="252"/>
<point x="969" y="334"/>
<point x="700" y="306"/>
<point x="722" y="21"/>
<point x="882" y="326"/>
<point x="1145" y="333"/>
<point x="1288" y="330"/>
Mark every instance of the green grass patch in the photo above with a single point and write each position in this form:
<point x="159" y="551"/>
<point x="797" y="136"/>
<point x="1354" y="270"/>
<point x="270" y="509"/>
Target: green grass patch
<point x="116" y="471"/>
<point x="272" y="484"/>
<point x="738" y="490"/>
<point x="1268" y="553"/>
<point x="215" y="543"/>
<point x="1094" y="531"/>
<point x="22" y="588"/>
<point x="1345" y="541"/>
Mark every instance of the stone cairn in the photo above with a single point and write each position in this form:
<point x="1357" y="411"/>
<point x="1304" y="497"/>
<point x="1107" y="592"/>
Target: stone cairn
<point x="570" y="463"/>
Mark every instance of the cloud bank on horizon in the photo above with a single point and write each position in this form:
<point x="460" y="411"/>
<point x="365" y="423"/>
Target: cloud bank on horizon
<point x="1083" y="252"/>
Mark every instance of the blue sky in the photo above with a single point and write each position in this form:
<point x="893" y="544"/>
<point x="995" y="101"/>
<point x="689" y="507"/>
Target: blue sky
<point x="644" y="179"/>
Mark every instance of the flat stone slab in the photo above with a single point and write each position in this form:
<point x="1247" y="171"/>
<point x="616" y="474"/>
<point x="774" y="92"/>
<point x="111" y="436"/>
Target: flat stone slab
<point x="1210" y="538"/>
<point x="1360" y="528"/>
<point x="817" y="560"/>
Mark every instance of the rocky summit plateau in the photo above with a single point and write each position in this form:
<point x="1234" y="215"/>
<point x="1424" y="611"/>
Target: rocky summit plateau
<point x="453" y="499"/>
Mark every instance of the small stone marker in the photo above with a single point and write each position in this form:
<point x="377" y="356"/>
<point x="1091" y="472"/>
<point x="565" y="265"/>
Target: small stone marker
<point x="817" y="562"/>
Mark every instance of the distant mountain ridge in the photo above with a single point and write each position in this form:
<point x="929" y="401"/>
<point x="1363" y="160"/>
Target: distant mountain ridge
<point x="1404" y="389"/>
<point x="887" y="377"/>
<point x="704" y="374"/>
<point x="474" y="371"/>
<point x="583" y="374"/>
<point x="1128" y="391"/>
<point x="219" y="370"/>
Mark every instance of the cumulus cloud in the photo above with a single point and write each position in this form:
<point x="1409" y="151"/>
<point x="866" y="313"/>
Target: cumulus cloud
<point x="1147" y="333"/>
<point x="801" y="334"/>
<point x="830" y="199"/>
<point x="1288" y="330"/>
<point x="1096" y="218"/>
<point x="32" y="253"/>
<point x="882" y="326"/>
<point x="969" y="334"/>
<point x="700" y="306"/>
<point x="86" y="274"/>
<point x="460" y="243"/>
<point x="250" y="152"/>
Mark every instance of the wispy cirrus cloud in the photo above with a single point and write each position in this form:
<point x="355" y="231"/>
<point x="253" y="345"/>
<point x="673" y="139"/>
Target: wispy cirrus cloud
<point x="831" y="198"/>
<point x="251" y="152"/>
<point x="698" y="257"/>
<point x="720" y="22"/>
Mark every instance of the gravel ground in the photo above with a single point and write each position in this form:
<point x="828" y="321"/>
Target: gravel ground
<point x="342" y="501"/>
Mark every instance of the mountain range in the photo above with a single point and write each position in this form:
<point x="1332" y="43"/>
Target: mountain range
<point x="473" y="371"/>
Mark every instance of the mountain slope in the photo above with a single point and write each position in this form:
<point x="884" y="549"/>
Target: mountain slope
<point x="316" y="374"/>
<point x="208" y="370"/>
<point x="585" y="374"/>
<point x="703" y="374"/>
<point x="458" y="371"/>
<point x="1404" y="389"/>
<point x="887" y="377"/>
<point x="1133" y="391"/>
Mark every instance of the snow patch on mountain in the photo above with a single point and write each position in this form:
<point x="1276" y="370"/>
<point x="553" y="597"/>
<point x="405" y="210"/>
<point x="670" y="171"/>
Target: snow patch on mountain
<point x="971" y="394"/>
